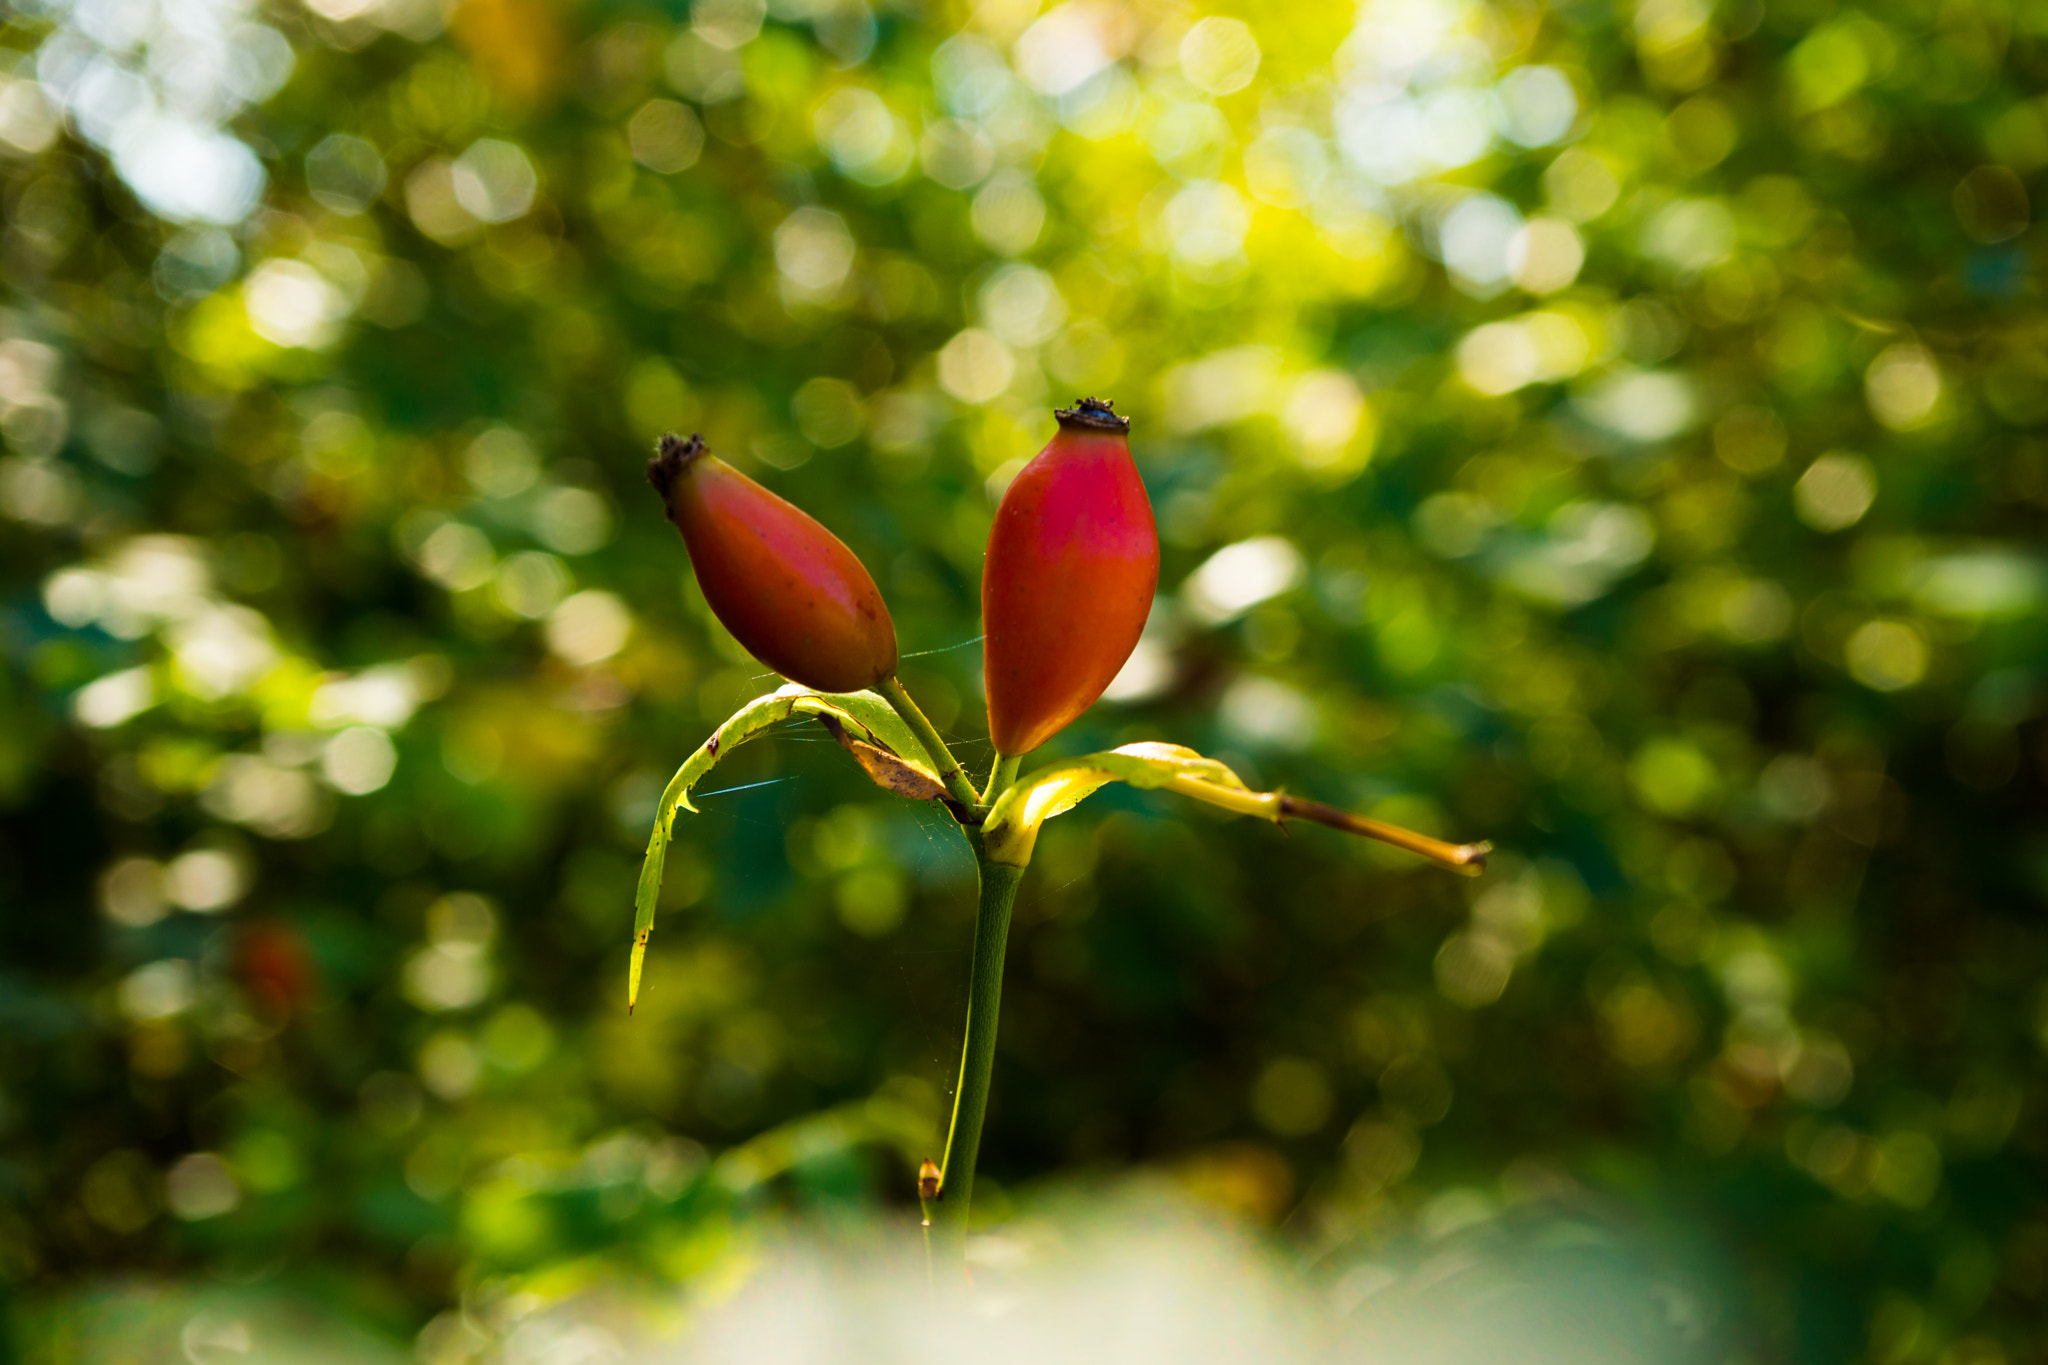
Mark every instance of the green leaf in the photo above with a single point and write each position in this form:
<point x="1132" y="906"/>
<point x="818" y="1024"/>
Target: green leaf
<point x="863" y="715"/>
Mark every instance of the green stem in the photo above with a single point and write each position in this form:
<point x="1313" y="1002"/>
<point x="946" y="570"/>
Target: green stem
<point x="1001" y="776"/>
<point x="978" y="1051"/>
<point x="950" y="772"/>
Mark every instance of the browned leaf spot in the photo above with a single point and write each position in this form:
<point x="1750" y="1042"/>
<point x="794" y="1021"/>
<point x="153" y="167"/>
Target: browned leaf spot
<point x="884" y="768"/>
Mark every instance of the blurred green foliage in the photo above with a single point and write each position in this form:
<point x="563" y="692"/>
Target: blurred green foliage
<point x="1615" y="432"/>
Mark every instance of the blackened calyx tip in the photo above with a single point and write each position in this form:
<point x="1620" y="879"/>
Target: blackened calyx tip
<point x="672" y="457"/>
<point x="1094" y="414"/>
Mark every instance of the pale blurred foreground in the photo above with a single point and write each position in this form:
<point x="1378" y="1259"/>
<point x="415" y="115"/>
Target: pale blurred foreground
<point x="1130" y="1277"/>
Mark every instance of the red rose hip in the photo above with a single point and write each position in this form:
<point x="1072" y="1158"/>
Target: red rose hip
<point x="1072" y="564"/>
<point x="787" y="588"/>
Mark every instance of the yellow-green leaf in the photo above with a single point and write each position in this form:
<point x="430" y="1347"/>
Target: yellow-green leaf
<point x="1011" y="830"/>
<point x="864" y="717"/>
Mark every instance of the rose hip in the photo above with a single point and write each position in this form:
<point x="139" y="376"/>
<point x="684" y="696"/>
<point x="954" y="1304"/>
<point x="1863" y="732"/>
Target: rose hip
<point x="787" y="588"/>
<point x="1072" y="563"/>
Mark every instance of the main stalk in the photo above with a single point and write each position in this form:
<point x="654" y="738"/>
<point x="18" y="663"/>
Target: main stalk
<point x="978" y="1050"/>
